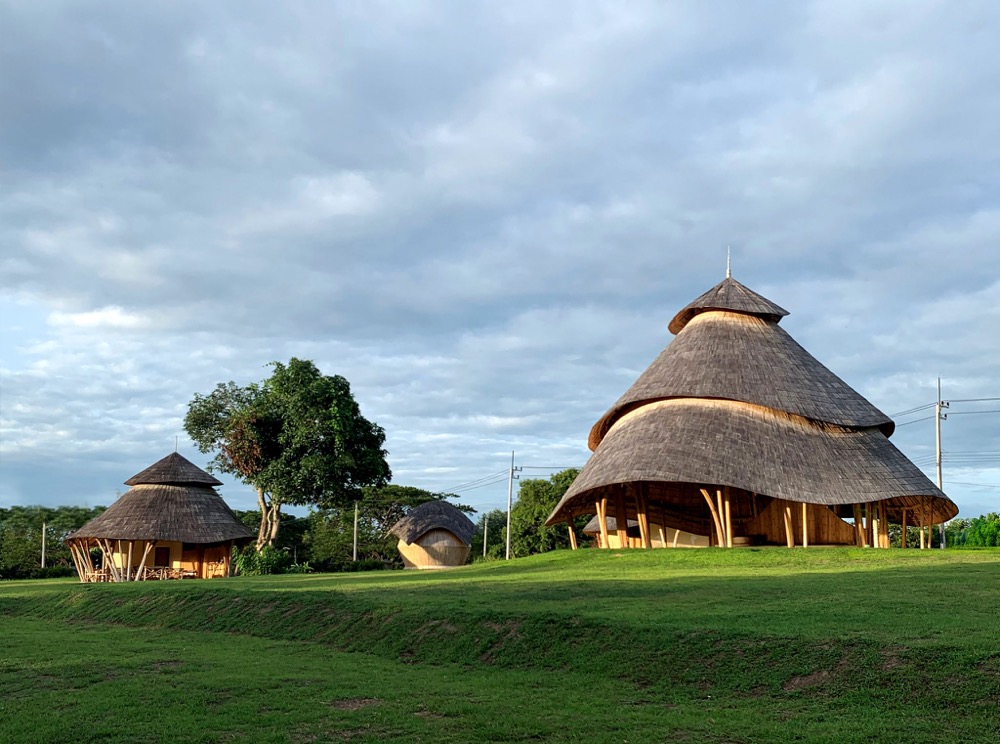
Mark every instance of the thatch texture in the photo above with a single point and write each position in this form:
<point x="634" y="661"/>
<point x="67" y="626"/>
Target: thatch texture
<point x="752" y="448"/>
<point x="728" y="294"/>
<point x="734" y="426"/>
<point x="740" y="357"/>
<point x="174" y="469"/>
<point x="172" y="501"/>
<point x="434" y="515"/>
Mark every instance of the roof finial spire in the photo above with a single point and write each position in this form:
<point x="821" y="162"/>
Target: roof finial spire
<point x="729" y="265"/>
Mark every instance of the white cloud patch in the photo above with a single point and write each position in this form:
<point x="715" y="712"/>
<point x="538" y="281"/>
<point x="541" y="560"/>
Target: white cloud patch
<point x="483" y="216"/>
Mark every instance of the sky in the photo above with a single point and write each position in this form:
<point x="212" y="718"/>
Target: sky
<point x="483" y="215"/>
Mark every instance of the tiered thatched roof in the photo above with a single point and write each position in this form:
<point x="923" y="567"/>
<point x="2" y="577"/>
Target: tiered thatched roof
<point x="734" y="402"/>
<point x="434" y="515"/>
<point x="172" y="500"/>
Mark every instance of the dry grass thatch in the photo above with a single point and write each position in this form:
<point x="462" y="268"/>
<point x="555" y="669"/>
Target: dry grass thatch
<point x="172" y="500"/>
<point x="434" y="515"/>
<point x="751" y="448"/>
<point x="741" y="357"/>
<point x="735" y="403"/>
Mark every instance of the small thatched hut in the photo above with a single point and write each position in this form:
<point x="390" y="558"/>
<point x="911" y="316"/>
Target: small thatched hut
<point x="435" y="534"/>
<point x="737" y="434"/>
<point x="170" y="524"/>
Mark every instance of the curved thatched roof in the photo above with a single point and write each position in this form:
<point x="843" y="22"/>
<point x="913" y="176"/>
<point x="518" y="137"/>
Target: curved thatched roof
<point x="741" y="357"/>
<point x="728" y="294"/>
<point x="434" y="515"/>
<point x="172" y="500"/>
<point x="752" y="448"/>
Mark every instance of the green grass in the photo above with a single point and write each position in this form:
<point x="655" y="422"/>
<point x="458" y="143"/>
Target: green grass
<point x="695" y="645"/>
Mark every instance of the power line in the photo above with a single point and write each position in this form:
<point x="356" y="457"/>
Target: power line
<point x="912" y="410"/>
<point x="501" y="479"/>
<point x="477" y="480"/>
<point x="915" y="421"/>
<point x="971" y="400"/>
<point x="971" y="413"/>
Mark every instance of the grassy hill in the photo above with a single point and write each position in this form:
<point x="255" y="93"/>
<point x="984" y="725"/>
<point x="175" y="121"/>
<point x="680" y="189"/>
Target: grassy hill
<point x="707" y="645"/>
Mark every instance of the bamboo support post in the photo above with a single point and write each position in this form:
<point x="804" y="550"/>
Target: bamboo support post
<point x="572" y="537"/>
<point x="857" y="525"/>
<point x="902" y="534"/>
<point x="128" y="567"/>
<point x="715" y="514"/>
<point x="602" y="517"/>
<point x="142" y="563"/>
<point x="789" y="532"/>
<point x="729" y="519"/>
<point x="805" y="525"/>
<point x="677" y="536"/>
<point x="642" y="514"/>
<point x="621" y="517"/>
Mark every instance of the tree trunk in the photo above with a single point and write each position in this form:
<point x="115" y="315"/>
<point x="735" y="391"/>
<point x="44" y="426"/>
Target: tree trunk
<point x="270" y="520"/>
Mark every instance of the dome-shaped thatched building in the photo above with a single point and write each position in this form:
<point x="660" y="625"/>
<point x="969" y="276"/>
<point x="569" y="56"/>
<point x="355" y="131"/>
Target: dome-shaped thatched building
<point x="435" y="534"/>
<point x="736" y="433"/>
<point x="171" y="523"/>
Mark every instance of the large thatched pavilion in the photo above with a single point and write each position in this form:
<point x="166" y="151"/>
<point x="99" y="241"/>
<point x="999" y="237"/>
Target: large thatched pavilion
<point x="170" y="524"/>
<point x="435" y="534"/>
<point x="736" y="433"/>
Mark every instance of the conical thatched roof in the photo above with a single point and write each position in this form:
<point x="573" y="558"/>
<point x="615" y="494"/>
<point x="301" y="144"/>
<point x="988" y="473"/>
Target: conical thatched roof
<point x="172" y="500"/>
<point x="174" y="469"/>
<point x="434" y="515"/>
<point x="728" y="294"/>
<point x="735" y="402"/>
<point x="741" y="357"/>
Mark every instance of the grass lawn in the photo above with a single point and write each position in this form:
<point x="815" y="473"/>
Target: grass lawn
<point x="835" y="645"/>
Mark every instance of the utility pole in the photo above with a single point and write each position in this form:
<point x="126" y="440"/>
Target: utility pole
<point x="510" y="494"/>
<point x="355" y="531"/>
<point x="486" y="531"/>
<point x="938" y="417"/>
<point x="43" y="544"/>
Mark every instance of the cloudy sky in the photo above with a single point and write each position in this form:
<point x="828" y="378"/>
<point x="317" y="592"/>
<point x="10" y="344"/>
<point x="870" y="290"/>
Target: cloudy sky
<point x="483" y="215"/>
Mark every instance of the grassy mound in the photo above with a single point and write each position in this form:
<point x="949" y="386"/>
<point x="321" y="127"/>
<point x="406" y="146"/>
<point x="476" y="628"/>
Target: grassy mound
<point x="874" y="637"/>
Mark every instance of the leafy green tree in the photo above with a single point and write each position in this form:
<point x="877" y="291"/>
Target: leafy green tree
<point x="495" y="534"/>
<point x="984" y="531"/>
<point x="21" y="539"/>
<point x="536" y="500"/>
<point x="298" y="438"/>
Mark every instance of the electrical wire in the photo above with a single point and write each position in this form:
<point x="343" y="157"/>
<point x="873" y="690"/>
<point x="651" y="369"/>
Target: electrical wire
<point x="915" y="421"/>
<point x="912" y="410"/>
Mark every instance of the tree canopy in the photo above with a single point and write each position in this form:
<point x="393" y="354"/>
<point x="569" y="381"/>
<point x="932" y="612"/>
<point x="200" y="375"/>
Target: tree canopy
<point x="297" y="437"/>
<point x="536" y="500"/>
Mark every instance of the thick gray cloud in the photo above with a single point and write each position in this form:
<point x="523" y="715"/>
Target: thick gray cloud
<point x="483" y="215"/>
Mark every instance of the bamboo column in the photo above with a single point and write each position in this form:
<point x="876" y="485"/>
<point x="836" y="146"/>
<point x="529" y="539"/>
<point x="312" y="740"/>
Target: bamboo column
<point x="621" y="517"/>
<point x="729" y="518"/>
<point x="715" y="515"/>
<point x="805" y="525"/>
<point x="789" y="533"/>
<point x="142" y="563"/>
<point x="572" y="537"/>
<point x="602" y="517"/>
<point x="902" y="536"/>
<point x="128" y="568"/>
<point x="642" y="513"/>
<point x="857" y="526"/>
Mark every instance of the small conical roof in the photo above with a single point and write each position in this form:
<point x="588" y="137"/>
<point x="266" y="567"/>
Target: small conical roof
<point x="434" y="515"/>
<point x="174" y="469"/>
<point x="728" y="294"/>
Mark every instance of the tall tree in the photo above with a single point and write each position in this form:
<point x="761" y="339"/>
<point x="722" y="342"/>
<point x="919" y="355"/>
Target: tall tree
<point x="297" y="437"/>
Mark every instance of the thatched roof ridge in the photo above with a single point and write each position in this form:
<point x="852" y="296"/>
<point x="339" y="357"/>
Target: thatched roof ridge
<point x="728" y="294"/>
<point x="173" y="469"/>
<point x="184" y="513"/>
<point x="753" y="448"/>
<point x="740" y="357"/>
<point x="434" y="515"/>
